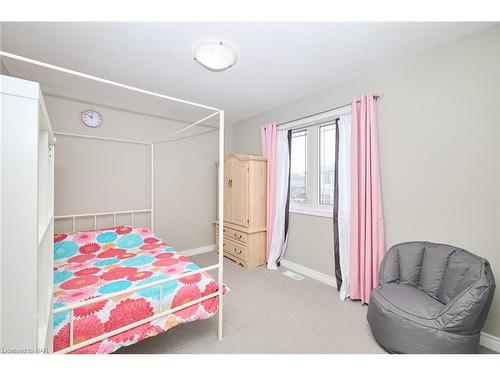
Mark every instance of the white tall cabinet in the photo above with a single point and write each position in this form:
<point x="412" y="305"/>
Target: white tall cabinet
<point x="26" y="221"/>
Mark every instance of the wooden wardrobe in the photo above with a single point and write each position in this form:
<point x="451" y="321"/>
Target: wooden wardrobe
<point x="244" y="209"/>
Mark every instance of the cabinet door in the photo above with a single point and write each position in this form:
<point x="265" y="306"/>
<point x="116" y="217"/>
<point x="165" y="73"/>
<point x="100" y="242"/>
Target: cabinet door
<point x="227" y="189"/>
<point x="239" y="193"/>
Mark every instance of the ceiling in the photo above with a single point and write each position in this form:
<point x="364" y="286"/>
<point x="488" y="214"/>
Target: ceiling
<point x="277" y="62"/>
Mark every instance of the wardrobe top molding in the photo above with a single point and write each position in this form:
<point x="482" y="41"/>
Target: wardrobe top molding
<point x="245" y="157"/>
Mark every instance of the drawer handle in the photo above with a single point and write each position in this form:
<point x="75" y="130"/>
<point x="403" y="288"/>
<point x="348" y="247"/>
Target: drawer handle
<point x="235" y="235"/>
<point x="237" y="251"/>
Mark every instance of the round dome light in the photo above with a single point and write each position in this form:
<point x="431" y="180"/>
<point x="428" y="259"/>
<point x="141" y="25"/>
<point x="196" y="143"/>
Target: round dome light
<point x="215" y="56"/>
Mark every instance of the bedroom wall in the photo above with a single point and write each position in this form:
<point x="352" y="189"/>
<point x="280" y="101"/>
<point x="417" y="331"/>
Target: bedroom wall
<point x="3" y="69"/>
<point x="187" y="191"/>
<point x="97" y="176"/>
<point x="439" y="138"/>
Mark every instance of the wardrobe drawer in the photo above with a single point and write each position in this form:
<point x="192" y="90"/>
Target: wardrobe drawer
<point x="235" y="249"/>
<point x="233" y="234"/>
<point x="236" y="235"/>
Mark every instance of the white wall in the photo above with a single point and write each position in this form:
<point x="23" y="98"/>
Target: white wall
<point x="3" y="69"/>
<point x="439" y="138"/>
<point x="186" y="187"/>
<point x="101" y="176"/>
<point x="96" y="176"/>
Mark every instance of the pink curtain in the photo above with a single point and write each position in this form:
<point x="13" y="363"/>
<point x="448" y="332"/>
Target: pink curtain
<point x="268" y="138"/>
<point x="367" y="222"/>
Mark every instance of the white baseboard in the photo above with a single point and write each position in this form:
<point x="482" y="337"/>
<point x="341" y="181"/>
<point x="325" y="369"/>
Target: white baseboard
<point x="324" y="278"/>
<point x="490" y="341"/>
<point x="198" y="250"/>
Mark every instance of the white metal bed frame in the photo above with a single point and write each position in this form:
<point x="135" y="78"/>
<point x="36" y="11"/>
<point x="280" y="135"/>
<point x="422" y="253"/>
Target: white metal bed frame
<point x="219" y="266"/>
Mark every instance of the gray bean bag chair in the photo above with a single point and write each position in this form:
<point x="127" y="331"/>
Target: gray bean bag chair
<point x="432" y="298"/>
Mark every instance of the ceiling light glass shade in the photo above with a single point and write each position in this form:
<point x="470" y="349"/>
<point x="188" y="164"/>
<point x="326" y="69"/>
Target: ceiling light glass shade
<point x="215" y="56"/>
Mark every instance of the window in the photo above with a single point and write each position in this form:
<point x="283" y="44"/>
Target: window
<point x="298" y="167"/>
<point x="312" y="164"/>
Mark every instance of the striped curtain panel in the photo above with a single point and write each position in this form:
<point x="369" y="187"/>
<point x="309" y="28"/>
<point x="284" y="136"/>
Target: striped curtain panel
<point x="282" y="196"/>
<point x="268" y="139"/>
<point x="342" y="202"/>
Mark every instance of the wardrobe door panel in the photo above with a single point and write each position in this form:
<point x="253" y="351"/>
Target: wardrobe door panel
<point x="227" y="189"/>
<point x="239" y="187"/>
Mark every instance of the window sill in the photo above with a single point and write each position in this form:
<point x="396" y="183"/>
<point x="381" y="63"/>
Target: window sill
<point x="311" y="211"/>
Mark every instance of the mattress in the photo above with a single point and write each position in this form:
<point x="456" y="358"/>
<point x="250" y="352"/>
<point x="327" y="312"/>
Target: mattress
<point x="96" y="263"/>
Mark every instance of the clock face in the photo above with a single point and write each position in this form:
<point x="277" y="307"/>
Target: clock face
<point x="91" y="118"/>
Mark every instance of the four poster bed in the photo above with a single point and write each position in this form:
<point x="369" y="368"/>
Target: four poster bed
<point x="115" y="286"/>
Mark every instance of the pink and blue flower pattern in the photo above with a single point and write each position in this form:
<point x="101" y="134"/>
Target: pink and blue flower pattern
<point x="97" y="263"/>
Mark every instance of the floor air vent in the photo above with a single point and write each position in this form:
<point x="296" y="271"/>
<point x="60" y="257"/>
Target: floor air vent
<point x="293" y="275"/>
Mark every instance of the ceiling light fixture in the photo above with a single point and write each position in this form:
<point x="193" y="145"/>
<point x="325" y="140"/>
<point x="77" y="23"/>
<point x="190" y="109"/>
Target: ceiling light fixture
<point x="215" y="56"/>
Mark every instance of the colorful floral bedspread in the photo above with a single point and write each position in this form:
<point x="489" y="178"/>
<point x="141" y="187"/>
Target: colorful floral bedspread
<point x="96" y="263"/>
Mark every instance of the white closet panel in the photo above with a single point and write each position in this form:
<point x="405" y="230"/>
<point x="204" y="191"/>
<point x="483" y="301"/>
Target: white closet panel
<point x="27" y="225"/>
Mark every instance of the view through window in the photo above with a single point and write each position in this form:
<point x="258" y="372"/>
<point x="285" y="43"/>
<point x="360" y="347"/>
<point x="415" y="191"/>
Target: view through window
<point x="326" y="163"/>
<point x="312" y="168"/>
<point x="298" y="167"/>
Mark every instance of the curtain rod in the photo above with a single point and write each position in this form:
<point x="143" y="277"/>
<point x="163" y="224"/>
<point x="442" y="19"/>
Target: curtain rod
<point x="376" y="97"/>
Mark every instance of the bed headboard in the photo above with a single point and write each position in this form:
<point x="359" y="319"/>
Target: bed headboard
<point x="107" y="219"/>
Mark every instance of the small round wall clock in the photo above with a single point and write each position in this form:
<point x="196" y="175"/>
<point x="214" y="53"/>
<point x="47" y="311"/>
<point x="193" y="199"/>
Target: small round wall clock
<point x="91" y="118"/>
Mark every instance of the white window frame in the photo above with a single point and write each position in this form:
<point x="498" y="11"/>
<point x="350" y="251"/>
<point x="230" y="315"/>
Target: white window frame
<point x="312" y="124"/>
<point x="307" y="187"/>
<point x="318" y="179"/>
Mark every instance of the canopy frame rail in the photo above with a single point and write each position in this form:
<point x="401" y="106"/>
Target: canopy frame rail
<point x="103" y="80"/>
<point x="171" y="136"/>
<point x="220" y="209"/>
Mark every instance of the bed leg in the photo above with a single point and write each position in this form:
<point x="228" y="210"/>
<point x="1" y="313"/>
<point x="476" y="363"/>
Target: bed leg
<point x="220" y="321"/>
<point x="220" y="210"/>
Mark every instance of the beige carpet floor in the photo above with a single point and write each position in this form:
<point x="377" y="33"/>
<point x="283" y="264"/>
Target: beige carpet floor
<point x="269" y="313"/>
